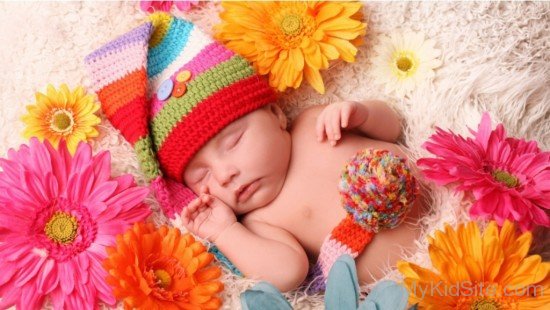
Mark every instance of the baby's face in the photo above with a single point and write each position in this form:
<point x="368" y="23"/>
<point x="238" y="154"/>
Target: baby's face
<point x="244" y="165"/>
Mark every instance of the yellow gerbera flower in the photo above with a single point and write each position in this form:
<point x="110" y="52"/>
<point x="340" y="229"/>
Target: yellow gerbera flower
<point x="403" y="61"/>
<point x="290" y="40"/>
<point x="62" y="115"/>
<point x="490" y="271"/>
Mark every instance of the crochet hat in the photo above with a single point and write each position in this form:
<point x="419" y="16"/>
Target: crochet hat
<point x="169" y="89"/>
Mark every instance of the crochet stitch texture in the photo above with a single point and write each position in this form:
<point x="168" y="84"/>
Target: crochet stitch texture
<point x="132" y="76"/>
<point x="168" y="125"/>
<point x="377" y="190"/>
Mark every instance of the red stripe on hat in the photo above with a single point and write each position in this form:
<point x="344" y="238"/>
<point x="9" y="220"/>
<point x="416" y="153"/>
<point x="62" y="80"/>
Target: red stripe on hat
<point x="207" y="119"/>
<point x="132" y="128"/>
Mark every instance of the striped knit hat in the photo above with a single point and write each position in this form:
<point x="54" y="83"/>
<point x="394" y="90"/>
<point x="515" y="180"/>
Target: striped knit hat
<point x="169" y="89"/>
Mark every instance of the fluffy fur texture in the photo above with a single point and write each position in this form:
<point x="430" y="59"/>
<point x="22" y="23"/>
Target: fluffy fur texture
<point x="495" y="57"/>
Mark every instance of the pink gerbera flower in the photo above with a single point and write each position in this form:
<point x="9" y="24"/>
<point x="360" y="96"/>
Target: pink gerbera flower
<point x="57" y="215"/>
<point x="165" y="6"/>
<point x="509" y="178"/>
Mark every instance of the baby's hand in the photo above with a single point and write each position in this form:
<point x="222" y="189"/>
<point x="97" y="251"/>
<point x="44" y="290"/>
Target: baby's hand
<point x="207" y="216"/>
<point x="345" y="114"/>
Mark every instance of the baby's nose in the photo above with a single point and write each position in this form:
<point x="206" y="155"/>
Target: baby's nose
<point x="224" y="175"/>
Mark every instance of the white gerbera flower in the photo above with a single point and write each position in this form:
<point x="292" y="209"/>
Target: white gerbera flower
<point x="404" y="61"/>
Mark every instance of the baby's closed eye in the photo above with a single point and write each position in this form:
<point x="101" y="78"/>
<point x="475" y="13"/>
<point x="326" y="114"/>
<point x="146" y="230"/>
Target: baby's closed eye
<point x="199" y="175"/>
<point x="232" y="140"/>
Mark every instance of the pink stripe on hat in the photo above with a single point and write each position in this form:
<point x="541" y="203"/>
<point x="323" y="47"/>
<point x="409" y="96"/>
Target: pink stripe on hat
<point x="208" y="57"/>
<point x="107" y="70"/>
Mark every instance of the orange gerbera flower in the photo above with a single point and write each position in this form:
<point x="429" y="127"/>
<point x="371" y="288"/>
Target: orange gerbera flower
<point x="162" y="269"/>
<point x="479" y="271"/>
<point x="290" y="40"/>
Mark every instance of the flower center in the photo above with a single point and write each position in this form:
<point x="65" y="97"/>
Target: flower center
<point x="484" y="304"/>
<point x="163" y="278"/>
<point x="61" y="228"/>
<point x="404" y="64"/>
<point x="291" y="24"/>
<point x="505" y="178"/>
<point x="62" y="121"/>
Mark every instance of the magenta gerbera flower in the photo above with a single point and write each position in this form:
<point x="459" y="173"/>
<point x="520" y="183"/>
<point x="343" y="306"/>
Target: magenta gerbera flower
<point x="509" y="178"/>
<point x="57" y="215"/>
<point x="166" y="6"/>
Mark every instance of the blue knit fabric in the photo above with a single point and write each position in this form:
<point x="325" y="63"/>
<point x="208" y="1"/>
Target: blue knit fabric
<point x="220" y="257"/>
<point x="162" y="55"/>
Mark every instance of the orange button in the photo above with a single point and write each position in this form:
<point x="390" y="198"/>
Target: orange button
<point x="183" y="76"/>
<point x="179" y="90"/>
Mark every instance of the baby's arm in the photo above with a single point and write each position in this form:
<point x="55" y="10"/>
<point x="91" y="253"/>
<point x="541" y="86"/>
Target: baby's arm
<point x="372" y="118"/>
<point x="265" y="252"/>
<point x="259" y="250"/>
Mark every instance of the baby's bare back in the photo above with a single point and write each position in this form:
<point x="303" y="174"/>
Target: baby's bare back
<point x="309" y="204"/>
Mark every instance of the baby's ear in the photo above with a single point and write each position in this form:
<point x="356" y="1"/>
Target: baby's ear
<point x="279" y="114"/>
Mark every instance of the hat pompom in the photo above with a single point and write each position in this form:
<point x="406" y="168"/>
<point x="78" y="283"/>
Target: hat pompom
<point x="377" y="189"/>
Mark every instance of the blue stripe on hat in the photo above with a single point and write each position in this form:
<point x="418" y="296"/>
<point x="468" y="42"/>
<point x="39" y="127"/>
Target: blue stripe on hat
<point x="175" y="40"/>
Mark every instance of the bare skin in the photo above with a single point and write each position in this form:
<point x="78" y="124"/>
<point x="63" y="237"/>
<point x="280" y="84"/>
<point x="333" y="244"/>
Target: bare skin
<point x="310" y="214"/>
<point x="295" y="204"/>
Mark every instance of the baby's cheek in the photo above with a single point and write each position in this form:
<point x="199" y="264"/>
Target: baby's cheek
<point x="194" y="188"/>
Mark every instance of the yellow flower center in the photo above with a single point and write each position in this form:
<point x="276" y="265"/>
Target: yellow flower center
<point x="163" y="278"/>
<point x="291" y="24"/>
<point x="505" y="178"/>
<point x="484" y="304"/>
<point x="61" y="228"/>
<point x="405" y="64"/>
<point x="62" y="121"/>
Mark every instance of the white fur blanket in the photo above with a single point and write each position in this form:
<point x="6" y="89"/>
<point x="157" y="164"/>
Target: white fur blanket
<point x="495" y="58"/>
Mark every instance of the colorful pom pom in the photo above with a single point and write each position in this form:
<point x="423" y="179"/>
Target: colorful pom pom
<point x="377" y="189"/>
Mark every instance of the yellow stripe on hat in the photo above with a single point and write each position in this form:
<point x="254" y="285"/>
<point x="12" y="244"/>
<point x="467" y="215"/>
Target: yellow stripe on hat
<point x="161" y="24"/>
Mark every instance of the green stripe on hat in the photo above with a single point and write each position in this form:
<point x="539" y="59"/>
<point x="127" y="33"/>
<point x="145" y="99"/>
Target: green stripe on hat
<point x="147" y="158"/>
<point x="203" y="86"/>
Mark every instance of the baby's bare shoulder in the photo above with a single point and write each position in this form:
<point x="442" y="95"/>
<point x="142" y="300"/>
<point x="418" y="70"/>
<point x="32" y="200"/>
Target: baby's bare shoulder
<point x="302" y="128"/>
<point x="308" y="115"/>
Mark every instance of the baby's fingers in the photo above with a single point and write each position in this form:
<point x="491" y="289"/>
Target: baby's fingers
<point x="186" y="217"/>
<point x="320" y="127"/>
<point x="334" y="127"/>
<point x="193" y="205"/>
<point x="190" y="211"/>
<point x="202" y="217"/>
<point x="345" y="114"/>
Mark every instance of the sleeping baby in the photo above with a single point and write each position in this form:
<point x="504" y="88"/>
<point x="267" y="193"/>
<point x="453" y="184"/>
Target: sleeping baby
<point x="269" y="196"/>
<point x="223" y="161"/>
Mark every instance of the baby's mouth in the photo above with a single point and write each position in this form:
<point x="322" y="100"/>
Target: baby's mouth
<point x="240" y="190"/>
<point x="245" y="191"/>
